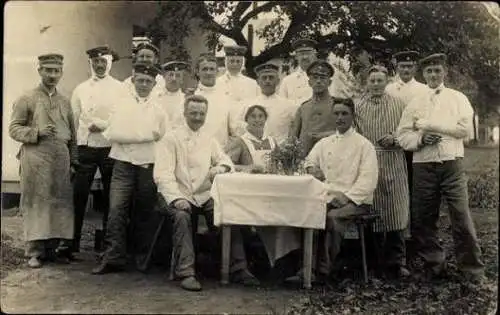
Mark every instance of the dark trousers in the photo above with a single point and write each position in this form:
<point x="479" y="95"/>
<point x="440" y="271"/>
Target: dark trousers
<point x="409" y="167"/>
<point x="90" y="159"/>
<point x="183" y="249"/>
<point x="130" y="183"/>
<point x="431" y="181"/>
<point x="392" y="249"/>
<point x="330" y="240"/>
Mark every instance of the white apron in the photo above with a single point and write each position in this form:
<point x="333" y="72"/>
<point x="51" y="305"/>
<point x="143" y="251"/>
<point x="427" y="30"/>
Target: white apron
<point x="278" y="241"/>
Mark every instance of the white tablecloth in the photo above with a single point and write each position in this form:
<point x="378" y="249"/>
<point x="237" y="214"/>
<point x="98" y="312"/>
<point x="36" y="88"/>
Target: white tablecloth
<point x="269" y="200"/>
<point x="276" y="204"/>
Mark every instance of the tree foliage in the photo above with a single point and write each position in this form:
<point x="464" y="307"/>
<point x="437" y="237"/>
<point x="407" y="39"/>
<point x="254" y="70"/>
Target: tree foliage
<point x="466" y="31"/>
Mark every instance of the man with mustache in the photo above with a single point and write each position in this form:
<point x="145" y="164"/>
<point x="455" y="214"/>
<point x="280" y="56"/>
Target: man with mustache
<point x="221" y="118"/>
<point x="187" y="162"/>
<point x="92" y="102"/>
<point x="134" y="128"/>
<point x="406" y="87"/>
<point x="42" y="120"/>
<point x="434" y="126"/>
<point x="313" y="119"/>
<point x="294" y="86"/>
<point x="171" y="97"/>
<point x="281" y="111"/>
<point x="146" y="53"/>
<point x="236" y="85"/>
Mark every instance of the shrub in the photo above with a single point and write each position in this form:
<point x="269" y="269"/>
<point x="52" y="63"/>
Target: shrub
<point x="483" y="189"/>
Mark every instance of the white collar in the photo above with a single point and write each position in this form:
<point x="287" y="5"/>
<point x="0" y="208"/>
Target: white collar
<point x="230" y="76"/>
<point x="249" y="136"/>
<point x="167" y="92"/>
<point x="401" y="82"/>
<point x="300" y="72"/>
<point x="141" y="100"/>
<point x="205" y="88"/>
<point x="96" y="79"/>
<point x="348" y="132"/>
<point x="438" y="89"/>
<point x="272" y="96"/>
<point x="190" y="132"/>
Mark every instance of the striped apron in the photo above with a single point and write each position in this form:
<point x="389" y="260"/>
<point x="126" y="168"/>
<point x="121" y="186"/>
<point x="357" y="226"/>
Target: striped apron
<point x="376" y="117"/>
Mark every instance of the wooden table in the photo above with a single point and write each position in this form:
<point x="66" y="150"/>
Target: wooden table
<point x="269" y="200"/>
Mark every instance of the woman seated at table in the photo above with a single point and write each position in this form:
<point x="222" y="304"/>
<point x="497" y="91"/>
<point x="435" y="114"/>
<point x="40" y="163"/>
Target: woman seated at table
<point x="347" y="163"/>
<point x="249" y="153"/>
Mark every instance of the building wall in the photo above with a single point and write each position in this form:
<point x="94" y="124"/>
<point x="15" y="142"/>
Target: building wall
<point x="68" y="27"/>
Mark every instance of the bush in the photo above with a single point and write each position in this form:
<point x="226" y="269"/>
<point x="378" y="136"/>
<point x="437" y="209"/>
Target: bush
<point x="484" y="189"/>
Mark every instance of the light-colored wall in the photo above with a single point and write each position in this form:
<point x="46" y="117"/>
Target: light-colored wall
<point x="75" y="26"/>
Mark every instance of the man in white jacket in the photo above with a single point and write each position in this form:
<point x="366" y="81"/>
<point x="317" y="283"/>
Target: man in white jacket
<point x="92" y="103"/>
<point x="133" y="130"/>
<point x="187" y="162"/>
<point x="171" y="97"/>
<point x="281" y="110"/>
<point x="235" y="84"/>
<point x="221" y="120"/>
<point x="148" y="54"/>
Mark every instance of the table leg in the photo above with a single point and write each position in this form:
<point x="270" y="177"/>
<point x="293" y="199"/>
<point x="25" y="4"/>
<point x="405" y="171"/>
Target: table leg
<point x="308" y="247"/>
<point x="226" y="249"/>
<point x="361" y="230"/>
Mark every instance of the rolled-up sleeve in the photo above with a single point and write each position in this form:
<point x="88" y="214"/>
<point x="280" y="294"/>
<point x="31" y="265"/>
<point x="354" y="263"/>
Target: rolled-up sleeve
<point x="367" y="178"/>
<point x="19" y="129"/>
<point x="164" y="169"/>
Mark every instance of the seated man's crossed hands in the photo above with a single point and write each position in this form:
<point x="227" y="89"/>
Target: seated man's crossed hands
<point x="219" y="169"/>
<point x="183" y="205"/>
<point x="339" y="199"/>
<point x="316" y="172"/>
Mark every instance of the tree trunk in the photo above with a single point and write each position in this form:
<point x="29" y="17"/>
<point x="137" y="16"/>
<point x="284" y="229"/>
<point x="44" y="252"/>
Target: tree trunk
<point x="249" y="66"/>
<point x="474" y="126"/>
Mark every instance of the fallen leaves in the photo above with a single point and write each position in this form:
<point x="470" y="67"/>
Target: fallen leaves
<point x="418" y="295"/>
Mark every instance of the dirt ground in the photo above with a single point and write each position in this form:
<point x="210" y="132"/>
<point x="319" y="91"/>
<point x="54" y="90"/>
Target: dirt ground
<point x="70" y="288"/>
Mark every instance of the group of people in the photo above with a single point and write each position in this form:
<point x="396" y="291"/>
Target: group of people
<point x="156" y="147"/>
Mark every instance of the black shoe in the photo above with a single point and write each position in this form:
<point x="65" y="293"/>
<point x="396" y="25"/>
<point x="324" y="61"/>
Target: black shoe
<point x="397" y="271"/>
<point x="105" y="268"/>
<point x="72" y="257"/>
<point x="140" y="263"/>
<point x="63" y="260"/>
<point x="62" y="255"/>
<point x="323" y="278"/>
<point x="245" y="277"/>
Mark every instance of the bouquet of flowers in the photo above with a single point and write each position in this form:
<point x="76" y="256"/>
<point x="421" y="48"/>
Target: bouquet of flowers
<point x="287" y="158"/>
